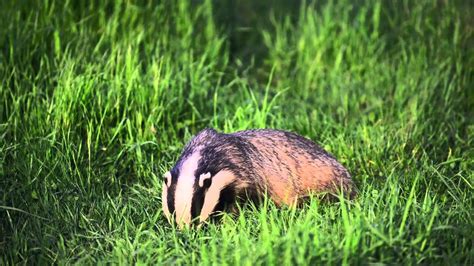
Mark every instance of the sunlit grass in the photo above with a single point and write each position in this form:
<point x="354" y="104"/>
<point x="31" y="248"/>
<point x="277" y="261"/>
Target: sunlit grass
<point x="97" y="100"/>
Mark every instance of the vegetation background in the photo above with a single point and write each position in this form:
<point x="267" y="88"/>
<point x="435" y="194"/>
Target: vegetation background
<point x="98" y="97"/>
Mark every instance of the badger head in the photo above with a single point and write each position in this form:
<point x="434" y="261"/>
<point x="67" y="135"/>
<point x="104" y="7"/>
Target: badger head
<point x="204" y="180"/>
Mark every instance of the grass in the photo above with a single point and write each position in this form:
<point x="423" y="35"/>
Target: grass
<point x="98" y="98"/>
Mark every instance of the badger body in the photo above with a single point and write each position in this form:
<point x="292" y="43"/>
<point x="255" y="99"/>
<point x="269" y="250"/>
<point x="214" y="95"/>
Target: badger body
<point x="215" y="170"/>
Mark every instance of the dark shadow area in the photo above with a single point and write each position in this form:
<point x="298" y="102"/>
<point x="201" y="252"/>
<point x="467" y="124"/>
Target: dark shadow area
<point x="243" y="21"/>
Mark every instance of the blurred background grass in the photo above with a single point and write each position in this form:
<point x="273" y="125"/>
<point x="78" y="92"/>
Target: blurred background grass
<point x="99" y="97"/>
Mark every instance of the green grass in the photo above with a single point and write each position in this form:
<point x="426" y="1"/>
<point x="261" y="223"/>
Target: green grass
<point x="98" y="99"/>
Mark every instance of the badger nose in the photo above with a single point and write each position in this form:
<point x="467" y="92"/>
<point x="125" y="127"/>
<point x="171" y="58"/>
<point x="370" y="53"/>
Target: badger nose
<point x="183" y="221"/>
<point x="182" y="224"/>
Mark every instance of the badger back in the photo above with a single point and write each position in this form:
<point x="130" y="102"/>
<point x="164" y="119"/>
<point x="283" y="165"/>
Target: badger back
<point x="293" y="167"/>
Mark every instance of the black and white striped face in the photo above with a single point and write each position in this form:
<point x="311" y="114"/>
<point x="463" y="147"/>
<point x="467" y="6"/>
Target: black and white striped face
<point x="194" y="189"/>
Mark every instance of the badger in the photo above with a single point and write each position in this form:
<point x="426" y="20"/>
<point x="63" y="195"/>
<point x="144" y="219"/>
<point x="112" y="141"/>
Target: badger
<point x="217" y="170"/>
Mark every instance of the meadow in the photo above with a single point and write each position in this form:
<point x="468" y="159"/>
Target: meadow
<point x="97" y="98"/>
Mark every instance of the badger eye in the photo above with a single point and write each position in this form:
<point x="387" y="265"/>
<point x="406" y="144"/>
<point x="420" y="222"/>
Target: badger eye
<point x="167" y="178"/>
<point x="205" y="180"/>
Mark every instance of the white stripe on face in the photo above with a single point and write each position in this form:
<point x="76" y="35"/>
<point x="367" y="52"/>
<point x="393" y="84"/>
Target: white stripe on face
<point x="219" y="182"/>
<point x="185" y="189"/>
<point x="164" y="201"/>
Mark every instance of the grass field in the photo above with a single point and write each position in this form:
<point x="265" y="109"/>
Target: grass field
<point x="98" y="98"/>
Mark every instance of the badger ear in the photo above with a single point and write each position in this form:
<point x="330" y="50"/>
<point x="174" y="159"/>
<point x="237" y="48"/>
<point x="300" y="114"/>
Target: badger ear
<point x="167" y="178"/>
<point x="204" y="177"/>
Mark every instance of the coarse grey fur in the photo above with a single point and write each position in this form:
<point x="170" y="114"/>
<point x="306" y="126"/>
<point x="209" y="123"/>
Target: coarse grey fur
<point x="286" y="166"/>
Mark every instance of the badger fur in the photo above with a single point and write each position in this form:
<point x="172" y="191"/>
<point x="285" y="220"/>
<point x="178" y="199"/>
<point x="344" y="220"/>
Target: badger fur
<point x="215" y="170"/>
